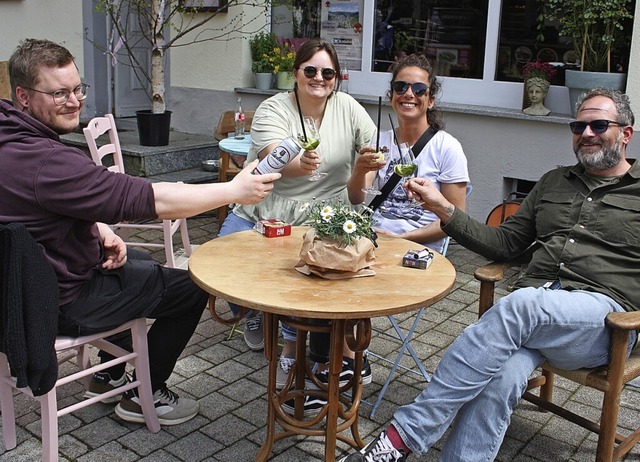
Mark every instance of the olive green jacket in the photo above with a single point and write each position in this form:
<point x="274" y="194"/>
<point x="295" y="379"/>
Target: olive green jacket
<point x="587" y="237"/>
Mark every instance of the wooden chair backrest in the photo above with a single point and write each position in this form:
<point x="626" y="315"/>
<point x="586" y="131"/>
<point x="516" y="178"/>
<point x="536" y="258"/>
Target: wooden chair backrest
<point x="97" y="127"/>
<point x="227" y="124"/>
<point x="5" y="87"/>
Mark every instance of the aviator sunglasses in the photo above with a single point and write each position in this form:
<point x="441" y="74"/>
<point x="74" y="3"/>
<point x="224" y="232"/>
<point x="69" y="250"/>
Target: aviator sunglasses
<point x="311" y="71"/>
<point x="401" y="87"/>
<point x="597" y="126"/>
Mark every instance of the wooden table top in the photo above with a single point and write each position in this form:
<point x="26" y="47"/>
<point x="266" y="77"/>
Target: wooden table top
<point x="258" y="272"/>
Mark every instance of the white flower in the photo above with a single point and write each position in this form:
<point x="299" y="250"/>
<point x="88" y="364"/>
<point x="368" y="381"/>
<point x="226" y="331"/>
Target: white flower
<point x="327" y="213"/>
<point x="304" y="206"/>
<point x="349" y="227"/>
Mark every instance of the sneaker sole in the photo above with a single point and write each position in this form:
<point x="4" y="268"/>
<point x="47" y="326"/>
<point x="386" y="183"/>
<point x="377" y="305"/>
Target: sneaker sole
<point x="139" y="418"/>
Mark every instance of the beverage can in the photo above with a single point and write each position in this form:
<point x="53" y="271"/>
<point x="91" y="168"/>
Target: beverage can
<point x="279" y="157"/>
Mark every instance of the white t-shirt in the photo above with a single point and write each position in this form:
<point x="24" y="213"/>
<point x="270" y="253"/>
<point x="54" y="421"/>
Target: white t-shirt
<point x="346" y="127"/>
<point x="442" y="160"/>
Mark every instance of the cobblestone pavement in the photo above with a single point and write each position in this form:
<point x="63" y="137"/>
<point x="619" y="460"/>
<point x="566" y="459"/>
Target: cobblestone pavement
<point x="229" y="382"/>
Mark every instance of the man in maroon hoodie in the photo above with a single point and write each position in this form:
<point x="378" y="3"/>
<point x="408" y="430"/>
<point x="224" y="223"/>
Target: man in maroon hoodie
<point x="66" y="201"/>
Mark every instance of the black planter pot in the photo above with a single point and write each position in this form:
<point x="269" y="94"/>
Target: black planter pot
<point x="153" y="129"/>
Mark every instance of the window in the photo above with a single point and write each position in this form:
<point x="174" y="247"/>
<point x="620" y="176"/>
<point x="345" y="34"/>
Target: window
<point x="450" y="33"/>
<point x="478" y="47"/>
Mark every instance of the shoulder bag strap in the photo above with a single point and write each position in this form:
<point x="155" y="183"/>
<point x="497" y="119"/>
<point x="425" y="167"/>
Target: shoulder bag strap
<point x="395" y="178"/>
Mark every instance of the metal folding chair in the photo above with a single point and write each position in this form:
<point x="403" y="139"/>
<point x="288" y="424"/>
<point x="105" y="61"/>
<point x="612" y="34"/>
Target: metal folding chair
<point x="404" y="338"/>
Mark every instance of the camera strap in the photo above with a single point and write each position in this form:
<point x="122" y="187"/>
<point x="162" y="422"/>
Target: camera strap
<point x="395" y="178"/>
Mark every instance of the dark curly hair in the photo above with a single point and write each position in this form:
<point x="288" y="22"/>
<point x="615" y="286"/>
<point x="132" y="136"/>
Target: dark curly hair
<point x="434" y="114"/>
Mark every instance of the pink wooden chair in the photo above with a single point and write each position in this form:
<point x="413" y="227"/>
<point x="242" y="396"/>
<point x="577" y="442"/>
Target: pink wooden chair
<point x="99" y="126"/>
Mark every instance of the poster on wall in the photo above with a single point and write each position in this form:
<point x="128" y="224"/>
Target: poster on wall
<point x="341" y="25"/>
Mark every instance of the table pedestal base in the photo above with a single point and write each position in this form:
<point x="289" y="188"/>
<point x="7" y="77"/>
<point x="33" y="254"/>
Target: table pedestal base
<point x="340" y="413"/>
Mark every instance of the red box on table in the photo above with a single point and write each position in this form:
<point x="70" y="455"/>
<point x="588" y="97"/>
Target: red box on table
<point x="273" y="228"/>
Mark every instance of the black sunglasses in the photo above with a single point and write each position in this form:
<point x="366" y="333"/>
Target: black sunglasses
<point x="327" y="73"/>
<point x="597" y="126"/>
<point x="401" y="87"/>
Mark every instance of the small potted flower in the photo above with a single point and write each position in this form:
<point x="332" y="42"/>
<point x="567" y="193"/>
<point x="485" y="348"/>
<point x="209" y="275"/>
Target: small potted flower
<point x="340" y="241"/>
<point x="284" y="57"/>
<point x="262" y="59"/>
<point x="538" y="73"/>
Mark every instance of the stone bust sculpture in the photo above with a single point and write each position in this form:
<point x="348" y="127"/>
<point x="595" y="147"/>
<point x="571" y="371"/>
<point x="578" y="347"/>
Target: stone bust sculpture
<point x="537" y="89"/>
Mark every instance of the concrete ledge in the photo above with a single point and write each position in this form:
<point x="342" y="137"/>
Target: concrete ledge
<point x="185" y="151"/>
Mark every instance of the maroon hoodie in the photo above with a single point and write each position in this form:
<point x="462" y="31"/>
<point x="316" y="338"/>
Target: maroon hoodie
<point x="59" y="194"/>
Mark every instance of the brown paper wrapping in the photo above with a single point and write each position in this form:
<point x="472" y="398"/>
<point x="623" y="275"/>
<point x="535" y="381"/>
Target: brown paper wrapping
<point x="326" y="258"/>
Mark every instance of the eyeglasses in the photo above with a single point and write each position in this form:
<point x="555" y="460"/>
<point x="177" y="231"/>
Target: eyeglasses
<point x="311" y="71"/>
<point x="60" y="97"/>
<point x="401" y="87"/>
<point x="597" y="126"/>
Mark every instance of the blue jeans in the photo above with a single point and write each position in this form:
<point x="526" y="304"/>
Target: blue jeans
<point x="482" y="376"/>
<point x="234" y="224"/>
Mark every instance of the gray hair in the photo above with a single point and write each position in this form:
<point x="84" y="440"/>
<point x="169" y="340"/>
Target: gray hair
<point x="621" y="100"/>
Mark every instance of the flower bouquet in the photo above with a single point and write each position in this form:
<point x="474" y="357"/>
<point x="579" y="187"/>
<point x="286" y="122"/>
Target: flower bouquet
<point x="340" y="243"/>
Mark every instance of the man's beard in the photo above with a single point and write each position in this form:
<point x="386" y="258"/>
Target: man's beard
<point x="603" y="159"/>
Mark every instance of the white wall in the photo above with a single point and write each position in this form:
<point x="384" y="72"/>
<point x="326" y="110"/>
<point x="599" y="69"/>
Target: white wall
<point x="57" y="20"/>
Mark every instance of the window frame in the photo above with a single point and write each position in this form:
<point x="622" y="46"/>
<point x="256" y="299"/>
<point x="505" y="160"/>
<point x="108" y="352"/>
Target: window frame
<point x="481" y="92"/>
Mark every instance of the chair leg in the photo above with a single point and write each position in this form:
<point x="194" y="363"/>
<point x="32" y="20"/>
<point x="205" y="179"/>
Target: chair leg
<point x="546" y="390"/>
<point x="404" y="338"/>
<point x="84" y="362"/>
<point x="141" y="364"/>
<point x="49" y="415"/>
<point x="7" y="406"/>
<point x="168" y="244"/>
<point x="184" y="235"/>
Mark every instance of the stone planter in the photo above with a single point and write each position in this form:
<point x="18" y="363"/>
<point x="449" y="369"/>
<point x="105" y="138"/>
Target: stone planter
<point x="579" y="81"/>
<point x="264" y="80"/>
<point x="284" y="81"/>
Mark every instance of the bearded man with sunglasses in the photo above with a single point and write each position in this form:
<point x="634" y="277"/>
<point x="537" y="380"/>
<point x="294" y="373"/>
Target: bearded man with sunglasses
<point x="584" y="224"/>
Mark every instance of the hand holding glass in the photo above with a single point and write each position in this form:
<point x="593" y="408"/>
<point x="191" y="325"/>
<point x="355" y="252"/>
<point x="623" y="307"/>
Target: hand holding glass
<point x="311" y="143"/>
<point x="407" y="168"/>
<point x="381" y="160"/>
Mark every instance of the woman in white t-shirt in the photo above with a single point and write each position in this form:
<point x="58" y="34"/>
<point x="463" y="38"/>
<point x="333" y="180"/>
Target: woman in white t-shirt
<point x="412" y="96"/>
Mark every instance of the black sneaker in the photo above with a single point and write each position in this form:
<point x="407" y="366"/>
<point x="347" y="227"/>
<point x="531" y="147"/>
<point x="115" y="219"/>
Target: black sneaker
<point x="101" y="382"/>
<point x="171" y="409"/>
<point x="312" y="406"/>
<point x="379" y="450"/>
<point x="347" y="372"/>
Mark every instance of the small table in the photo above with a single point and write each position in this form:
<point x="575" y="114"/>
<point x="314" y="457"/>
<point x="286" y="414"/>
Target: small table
<point x="258" y="272"/>
<point x="233" y="153"/>
<point x="236" y="146"/>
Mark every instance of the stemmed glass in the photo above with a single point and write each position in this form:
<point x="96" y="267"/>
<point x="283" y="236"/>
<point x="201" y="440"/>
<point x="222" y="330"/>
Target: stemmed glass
<point x="311" y="142"/>
<point x="407" y="168"/>
<point x="372" y="189"/>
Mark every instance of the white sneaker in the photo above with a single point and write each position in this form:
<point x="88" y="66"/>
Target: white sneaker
<point x="285" y="363"/>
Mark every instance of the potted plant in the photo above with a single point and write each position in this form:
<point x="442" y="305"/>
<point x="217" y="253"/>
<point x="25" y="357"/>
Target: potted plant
<point x="597" y="28"/>
<point x="261" y="46"/>
<point x="284" y="57"/>
<point x="162" y="24"/>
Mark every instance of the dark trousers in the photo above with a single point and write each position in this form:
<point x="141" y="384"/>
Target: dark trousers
<point x="142" y="288"/>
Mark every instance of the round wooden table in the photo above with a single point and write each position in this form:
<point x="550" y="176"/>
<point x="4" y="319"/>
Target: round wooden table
<point x="258" y="272"/>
